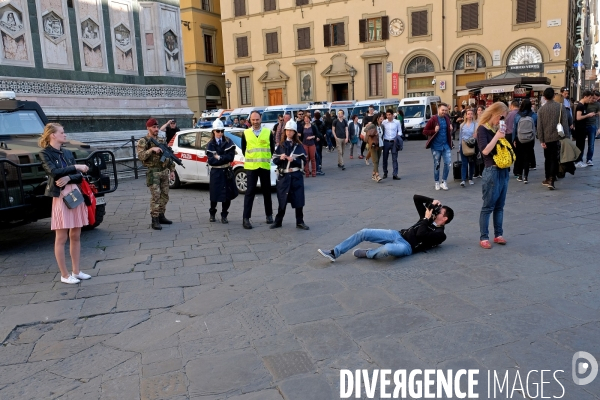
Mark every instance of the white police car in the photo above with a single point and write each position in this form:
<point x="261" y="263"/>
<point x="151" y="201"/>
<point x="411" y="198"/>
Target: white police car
<point x="190" y="147"/>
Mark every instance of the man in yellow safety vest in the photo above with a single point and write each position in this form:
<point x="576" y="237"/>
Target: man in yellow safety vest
<point x="258" y="146"/>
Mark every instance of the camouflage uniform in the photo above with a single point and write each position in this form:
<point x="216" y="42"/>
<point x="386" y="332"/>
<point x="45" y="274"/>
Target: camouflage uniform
<point x="157" y="178"/>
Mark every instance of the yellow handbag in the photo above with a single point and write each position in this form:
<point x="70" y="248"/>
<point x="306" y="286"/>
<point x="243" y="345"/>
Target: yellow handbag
<point x="505" y="156"/>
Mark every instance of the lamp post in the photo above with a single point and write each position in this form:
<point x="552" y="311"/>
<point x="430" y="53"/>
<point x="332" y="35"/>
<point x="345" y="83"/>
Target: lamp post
<point x="352" y="75"/>
<point x="228" y="86"/>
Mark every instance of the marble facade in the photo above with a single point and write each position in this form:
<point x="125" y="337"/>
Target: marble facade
<point x="116" y="73"/>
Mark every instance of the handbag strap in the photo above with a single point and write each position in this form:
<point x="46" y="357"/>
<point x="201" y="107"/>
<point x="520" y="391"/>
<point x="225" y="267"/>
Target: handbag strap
<point x="560" y="114"/>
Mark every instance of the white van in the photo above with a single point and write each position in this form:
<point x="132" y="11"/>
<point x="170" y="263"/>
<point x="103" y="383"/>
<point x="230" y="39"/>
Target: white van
<point x="320" y="106"/>
<point x="417" y="111"/>
<point x="345" y="105"/>
<point x="269" y="116"/>
<point x="381" y="106"/>
<point x="244" y="112"/>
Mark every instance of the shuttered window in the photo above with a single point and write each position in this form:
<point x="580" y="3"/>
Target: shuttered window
<point x="270" y="5"/>
<point x="373" y="29"/>
<point x="375" y="80"/>
<point x="272" y="45"/>
<point x="418" y="20"/>
<point x="303" y="38"/>
<point x="245" y="90"/>
<point x="469" y="16"/>
<point x="239" y="7"/>
<point x="334" y="34"/>
<point x="208" y="49"/>
<point x="242" y="46"/>
<point x="301" y="2"/>
<point x="526" y="11"/>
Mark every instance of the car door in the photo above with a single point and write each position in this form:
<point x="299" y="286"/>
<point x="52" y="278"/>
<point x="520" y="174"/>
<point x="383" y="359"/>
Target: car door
<point x="202" y="157"/>
<point x="187" y="152"/>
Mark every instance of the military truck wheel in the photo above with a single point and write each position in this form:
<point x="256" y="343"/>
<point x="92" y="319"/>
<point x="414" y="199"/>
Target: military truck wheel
<point x="174" y="183"/>
<point x="100" y="211"/>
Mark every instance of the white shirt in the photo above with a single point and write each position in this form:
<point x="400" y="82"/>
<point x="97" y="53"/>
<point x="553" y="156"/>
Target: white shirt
<point x="392" y="129"/>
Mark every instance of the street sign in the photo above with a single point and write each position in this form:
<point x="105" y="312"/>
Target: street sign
<point x="578" y="64"/>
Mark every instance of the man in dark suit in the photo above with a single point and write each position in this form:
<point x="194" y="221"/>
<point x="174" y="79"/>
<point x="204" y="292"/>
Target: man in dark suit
<point x="354" y="129"/>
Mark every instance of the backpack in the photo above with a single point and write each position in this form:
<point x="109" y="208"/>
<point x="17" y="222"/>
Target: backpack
<point x="505" y="156"/>
<point x="526" y="129"/>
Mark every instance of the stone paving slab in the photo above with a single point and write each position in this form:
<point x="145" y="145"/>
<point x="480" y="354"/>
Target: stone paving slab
<point x="209" y="311"/>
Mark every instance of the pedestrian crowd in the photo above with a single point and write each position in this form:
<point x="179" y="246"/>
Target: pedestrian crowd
<point x="490" y="141"/>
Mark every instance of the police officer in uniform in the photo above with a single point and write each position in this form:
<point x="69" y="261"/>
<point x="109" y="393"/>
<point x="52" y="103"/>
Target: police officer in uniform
<point x="221" y="152"/>
<point x="258" y="146"/>
<point x="157" y="178"/>
<point x="290" y="157"/>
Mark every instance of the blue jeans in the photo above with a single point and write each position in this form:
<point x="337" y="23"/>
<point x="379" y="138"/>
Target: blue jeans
<point x="494" y="187"/>
<point x="387" y="148"/>
<point x="393" y="243"/>
<point x="468" y="165"/>
<point x="437" y="157"/>
<point x="329" y="138"/>
<point x="319" y="155"/>
<point x="591" y="137"/>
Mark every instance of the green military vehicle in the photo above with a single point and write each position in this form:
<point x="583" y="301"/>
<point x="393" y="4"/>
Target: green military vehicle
<point x="22" y="178"/>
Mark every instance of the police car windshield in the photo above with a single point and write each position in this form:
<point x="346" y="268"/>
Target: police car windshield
<point x="360" y="110"/>
<point x="413" y="111"/>
<point x="23" y="122"/>
<point x="271" y="116"/>
<point x="238" y="116"/>
<point x="210" y="119"/>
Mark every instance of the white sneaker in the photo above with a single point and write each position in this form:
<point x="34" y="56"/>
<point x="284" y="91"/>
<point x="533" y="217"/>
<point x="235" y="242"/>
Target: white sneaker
<point x="471" y="183"/>
<point x="82" y="276"/>
<point x="462" y="184"/>
<point x="71" y="280"/>
<point x="589" y="162"/>
<point x="581" y="164"/>
<point x="444" y="185"/>
<point x="437" y="186"/>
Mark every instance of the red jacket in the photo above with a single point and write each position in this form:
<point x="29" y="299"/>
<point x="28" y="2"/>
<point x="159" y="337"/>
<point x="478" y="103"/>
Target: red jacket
<point x="429" y="130"/>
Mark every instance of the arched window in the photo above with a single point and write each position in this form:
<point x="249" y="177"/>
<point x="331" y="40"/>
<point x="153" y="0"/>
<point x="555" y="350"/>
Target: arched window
<point x="470" y="57"/>
<point x="525" y="54"/>
<point x="420" y="65"/>
<point x="213" y="90"/>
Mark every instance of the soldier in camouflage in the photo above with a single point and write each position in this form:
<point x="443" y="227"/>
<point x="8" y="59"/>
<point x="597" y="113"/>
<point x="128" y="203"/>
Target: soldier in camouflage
<point x="157" y="178"/>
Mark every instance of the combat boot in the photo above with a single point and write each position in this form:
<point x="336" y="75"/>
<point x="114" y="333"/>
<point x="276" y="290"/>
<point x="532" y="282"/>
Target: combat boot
<point x="156" y="224"/>
<point x="163" y="220"/>
<point x="212" y="217"/>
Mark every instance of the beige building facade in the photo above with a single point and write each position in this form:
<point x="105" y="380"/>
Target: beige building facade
<point x="203" y="55"/>
<point x="296" y="51"/>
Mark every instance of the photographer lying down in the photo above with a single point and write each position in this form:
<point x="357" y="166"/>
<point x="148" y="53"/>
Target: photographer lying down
<point x="425" y="234"/>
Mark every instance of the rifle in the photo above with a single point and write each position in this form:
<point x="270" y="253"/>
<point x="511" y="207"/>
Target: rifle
<point x="167" y="152"/>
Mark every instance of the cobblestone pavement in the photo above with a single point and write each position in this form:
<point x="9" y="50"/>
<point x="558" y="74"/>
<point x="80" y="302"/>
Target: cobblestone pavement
<point x="208" y="311"/>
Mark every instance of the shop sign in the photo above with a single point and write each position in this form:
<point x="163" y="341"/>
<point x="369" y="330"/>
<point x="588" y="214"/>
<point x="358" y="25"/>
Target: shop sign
<point x="389" y="67"/>
<point x="555" y="71"/>
<point x="536" y="67"/>
<point x="520" y="92"/>
<point x="395" y="83"/>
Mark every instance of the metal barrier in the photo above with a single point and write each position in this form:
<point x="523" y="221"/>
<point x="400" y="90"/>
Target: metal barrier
<point x="123" y="162"/>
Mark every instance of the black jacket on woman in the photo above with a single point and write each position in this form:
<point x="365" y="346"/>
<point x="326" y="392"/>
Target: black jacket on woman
<point x="315" y="132"/>
<point x="290" y="186"/>
<point x="221" y="188"/>
<point x="52" y="162"/>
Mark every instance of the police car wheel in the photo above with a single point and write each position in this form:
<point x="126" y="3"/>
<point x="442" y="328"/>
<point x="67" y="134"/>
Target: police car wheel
<point x="241" y="180"/>
<point x="174" y="183"/>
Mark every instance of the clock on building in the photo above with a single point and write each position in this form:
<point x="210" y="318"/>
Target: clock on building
<point x="396" y="27"/>
<point x="523" y="55"/>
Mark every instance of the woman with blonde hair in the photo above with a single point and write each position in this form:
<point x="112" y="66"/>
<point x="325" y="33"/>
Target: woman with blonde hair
<point x="374" y="138"/>
<point x="495" y="179"/>
<point x="63" y="177"/>
<point x="467" y="130"/>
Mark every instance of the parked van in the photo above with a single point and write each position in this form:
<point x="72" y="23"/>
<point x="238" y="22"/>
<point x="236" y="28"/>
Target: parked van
<point x="381" y="105"/>
<point x="417" y="111"/>
<point x="346" y="106"/>
<point x="269" y="116"/>
<point x="244" y="112"/>
<point x="320" y="106"/>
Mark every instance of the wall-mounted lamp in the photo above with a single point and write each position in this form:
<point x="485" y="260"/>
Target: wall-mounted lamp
<point x="186" y="24"/>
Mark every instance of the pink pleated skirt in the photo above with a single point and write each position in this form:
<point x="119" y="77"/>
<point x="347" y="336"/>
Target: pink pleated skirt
<point x="65" y="218"/>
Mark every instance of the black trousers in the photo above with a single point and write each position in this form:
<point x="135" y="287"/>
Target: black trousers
<point x="362" y="147"/>
<point x="265" y="185"/>
<point x="524" y="152"/>
<point x="580" y="143"/>
<point x="224" y="208"/>
<point x="551" y="160"/>
<point x="281" y="214"/>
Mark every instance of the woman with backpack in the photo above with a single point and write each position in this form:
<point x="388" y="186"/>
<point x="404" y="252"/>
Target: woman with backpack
<point x="524" y="139"/>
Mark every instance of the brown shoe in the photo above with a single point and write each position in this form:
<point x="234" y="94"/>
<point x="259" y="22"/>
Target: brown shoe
<point x="547" y="182"/>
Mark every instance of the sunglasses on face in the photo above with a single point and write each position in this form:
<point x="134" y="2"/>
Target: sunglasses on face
<point x="219" y="131"/>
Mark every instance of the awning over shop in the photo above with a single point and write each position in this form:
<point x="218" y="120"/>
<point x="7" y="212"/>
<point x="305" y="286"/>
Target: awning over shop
<point x="538" y="87"/>
<point x="463" y="92"/>
<point x="498" y="89"/>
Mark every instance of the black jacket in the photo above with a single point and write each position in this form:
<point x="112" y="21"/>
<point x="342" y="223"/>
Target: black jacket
<point x="53" y="165"/>
<point x="221" y="188"/>
<point x="424" y="234"/>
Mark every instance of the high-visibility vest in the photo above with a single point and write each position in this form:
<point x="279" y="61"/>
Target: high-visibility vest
<point x="258" y="149"/>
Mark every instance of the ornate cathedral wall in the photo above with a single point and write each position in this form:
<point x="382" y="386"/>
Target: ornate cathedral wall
<point x="95" y="65"/>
